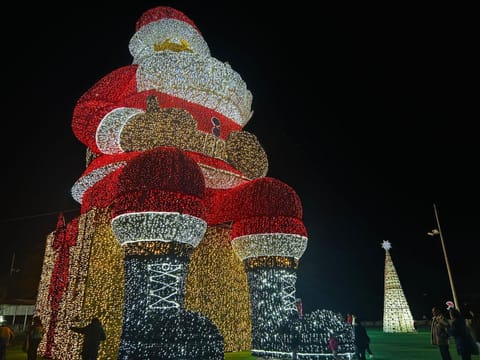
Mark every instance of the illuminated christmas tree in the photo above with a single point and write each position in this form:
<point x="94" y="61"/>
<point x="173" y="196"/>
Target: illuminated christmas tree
<point x="184" y="248"/>
<point x="396" y="312"/>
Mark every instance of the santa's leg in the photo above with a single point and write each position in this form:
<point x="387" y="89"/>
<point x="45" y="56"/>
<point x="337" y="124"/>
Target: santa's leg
<point x="269" y="236"/>
<point x="158" y="219"/>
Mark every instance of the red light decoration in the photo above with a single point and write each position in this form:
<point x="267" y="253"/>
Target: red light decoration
<point x="165" y="168"/>
<point x="172" y="178"/>
<point x="118" y="89"/>
<point x="267" y="224"/>
<point x="158" y="200"/>
<point x="264" y="197"/>
<point x="163" y="12"/>
<point x="101" y="194"/>
<point x="65" y="237"/>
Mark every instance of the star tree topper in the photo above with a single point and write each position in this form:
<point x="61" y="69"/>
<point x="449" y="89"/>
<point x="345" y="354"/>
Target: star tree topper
<point x="386" y="245"/>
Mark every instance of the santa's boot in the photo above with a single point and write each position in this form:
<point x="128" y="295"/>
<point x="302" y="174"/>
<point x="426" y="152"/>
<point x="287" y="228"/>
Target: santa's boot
<point x="270" y="238"/>
<point x="158" y="219"/>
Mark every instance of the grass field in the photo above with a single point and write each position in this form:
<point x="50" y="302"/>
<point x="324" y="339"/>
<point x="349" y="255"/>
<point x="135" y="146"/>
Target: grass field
<point x="412" y="346"/>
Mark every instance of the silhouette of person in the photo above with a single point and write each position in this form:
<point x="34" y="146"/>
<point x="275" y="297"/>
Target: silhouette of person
<point x="473" y="323"/>
<point x="361" y="338"/>
<point x="6" y="337"/>
<point x="35" y="334"/>
<point x="93" y="334"/>
<point x="459" y="331"/>
<point x="439" y="332"/>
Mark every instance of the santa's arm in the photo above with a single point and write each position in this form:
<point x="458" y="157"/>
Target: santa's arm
<point x="109" y="93"/>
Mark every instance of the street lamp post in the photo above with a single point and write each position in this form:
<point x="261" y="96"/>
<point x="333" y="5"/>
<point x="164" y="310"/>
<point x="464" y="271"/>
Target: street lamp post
<point x="438" y="231"/>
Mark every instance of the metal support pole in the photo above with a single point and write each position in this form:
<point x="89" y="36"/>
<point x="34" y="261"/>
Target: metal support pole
<point x="455" y="300"/>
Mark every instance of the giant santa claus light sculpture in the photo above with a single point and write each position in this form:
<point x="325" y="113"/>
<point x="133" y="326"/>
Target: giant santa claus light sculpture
<point x="184" y="248"/>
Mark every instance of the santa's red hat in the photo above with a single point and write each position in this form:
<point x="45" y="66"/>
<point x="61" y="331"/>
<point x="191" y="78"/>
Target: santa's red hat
<point x="163" y="12"/>
<point x="168" y="27"/>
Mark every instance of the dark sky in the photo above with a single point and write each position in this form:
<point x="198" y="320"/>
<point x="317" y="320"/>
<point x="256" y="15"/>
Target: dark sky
<point x="368" y="113"/>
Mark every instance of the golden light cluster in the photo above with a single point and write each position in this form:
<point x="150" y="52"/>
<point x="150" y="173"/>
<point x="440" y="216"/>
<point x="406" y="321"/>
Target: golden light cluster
<point x="217" y="287"/>
<point x="147" y="248"/>
<point x="95" y="288"/>
<point x="177" y="127"/>
<point x="104" y="291"/>
<point x="277" y="244"/>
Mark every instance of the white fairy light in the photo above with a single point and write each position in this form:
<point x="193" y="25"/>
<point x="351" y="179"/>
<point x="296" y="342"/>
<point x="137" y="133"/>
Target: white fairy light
<point x="90" y="179"/>
<point x="158" y="226"/>
<point x="110" y="128"/>
<point x="164" y="285"/>
<point x="202" y="80"/>
<point x="143" y="41"/>
<point x="288" y="292"/>
<point x="397" y="316"/>
<point x="279" y="244"/>
<point x="155" y="322"/>
<point x="386" y="245"/>
<point x="220" y="179"/>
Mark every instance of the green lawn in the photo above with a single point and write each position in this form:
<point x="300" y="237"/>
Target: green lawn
<point x="412" y="346"/>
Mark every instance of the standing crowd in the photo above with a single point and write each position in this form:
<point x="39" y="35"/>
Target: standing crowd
<point x="93" y="334"/>
<point x="463" y="330"/>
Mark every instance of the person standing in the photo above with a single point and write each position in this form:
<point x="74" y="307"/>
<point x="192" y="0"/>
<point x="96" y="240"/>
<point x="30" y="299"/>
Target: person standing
<point x="439" y="333"/>
<point x="463" y="340"/>
<point x="93" y="335"/>
<point x="35" y="335"/>
<point x="6" y="338"/>
<point x="361" y="338"/>
<point x="473" y="323"/>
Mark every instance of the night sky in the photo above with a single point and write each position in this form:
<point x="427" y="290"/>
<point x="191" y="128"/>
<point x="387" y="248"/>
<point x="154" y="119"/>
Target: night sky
<point x="367" y="113"/>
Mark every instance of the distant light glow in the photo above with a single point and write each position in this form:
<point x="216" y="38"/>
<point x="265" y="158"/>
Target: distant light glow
<point x="386" y="245"/>
<point x="397" y="317"/>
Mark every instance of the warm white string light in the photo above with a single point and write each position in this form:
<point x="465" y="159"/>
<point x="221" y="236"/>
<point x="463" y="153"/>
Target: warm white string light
<point x="202" y="80"/>
<point x="90" y="179"/>
<point x="277" y="244"/>
<point x="158" y="226"/>
<point x="288" y="292"/>
<point x="108" y="131"/>
<point x="397" y="316"/>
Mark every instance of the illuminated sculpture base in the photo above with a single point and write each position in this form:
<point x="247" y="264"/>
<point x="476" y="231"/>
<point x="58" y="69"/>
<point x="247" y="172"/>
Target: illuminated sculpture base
<point x="314" y="331"/>
<point x="155" y="322"/>
<point x="174" y="334"/>
<point x="275" y="320"/>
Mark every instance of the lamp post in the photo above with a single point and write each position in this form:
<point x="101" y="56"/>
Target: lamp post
<point x="438" y="231"/>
